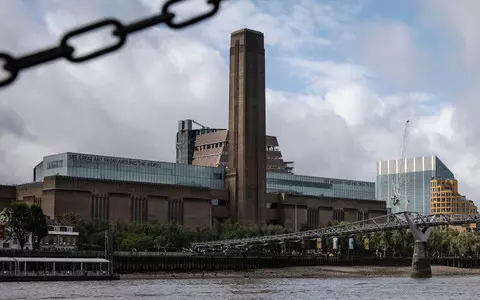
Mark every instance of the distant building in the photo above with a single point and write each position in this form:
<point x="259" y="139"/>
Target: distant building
<point x="61" y="236"/>
<point x="414" y="175"/>
<point x="237" y="174"/>
<point x="7" y="193"/>
<point x="211" y="149"/>
<point x="105" y="188"/>
<point x="12" y="244"/>
<point x="319" y="186"/>
<point x="157" y="172"/>
<point x="127" y="169"/>
<point x="445" y="199"/>
<point x="186" y="137"/>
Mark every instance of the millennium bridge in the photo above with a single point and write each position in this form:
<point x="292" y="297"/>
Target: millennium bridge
<point x="420" y="225"/>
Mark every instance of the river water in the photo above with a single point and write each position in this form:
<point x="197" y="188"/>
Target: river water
<point x="438" y="288"/>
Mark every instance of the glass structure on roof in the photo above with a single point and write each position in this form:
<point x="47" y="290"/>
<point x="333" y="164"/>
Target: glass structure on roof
<point x="137" y="170"/>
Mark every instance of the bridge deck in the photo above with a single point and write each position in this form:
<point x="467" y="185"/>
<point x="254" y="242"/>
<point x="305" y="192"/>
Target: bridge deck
<point x="382" y="223"/>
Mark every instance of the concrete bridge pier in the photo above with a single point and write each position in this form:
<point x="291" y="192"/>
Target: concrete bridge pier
<point x="421" y="264"/>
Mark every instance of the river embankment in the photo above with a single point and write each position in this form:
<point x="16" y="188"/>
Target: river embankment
<point x="324" y="272"/>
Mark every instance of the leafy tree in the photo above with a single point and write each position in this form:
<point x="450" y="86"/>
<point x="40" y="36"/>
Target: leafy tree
<point x="174" y="236"/>
<point x="38" y="225"/>
<point x="139" y="242"/>
<point x="18" y="220"/>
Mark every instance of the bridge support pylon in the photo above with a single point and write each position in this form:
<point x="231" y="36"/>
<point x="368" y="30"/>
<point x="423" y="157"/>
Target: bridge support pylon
<point x="421" y="264"/>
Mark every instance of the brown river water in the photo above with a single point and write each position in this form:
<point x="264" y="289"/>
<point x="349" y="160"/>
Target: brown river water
<point x="438" y="288"/>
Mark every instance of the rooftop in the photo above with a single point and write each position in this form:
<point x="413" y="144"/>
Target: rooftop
<point x="247" y="30"/>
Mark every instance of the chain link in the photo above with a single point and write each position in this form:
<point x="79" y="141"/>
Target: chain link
<point x="13" y="65"/>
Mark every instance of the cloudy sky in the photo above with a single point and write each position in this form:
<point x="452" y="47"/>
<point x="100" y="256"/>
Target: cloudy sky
<point x="342" y="78"/>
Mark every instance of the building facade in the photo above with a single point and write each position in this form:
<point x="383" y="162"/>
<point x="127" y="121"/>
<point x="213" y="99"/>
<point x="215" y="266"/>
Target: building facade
<point x="105" y="188"/>
<point x="196" y="207"/>
<point x="61" y="236"/>
<point x="126" y="169"/>
<point x="413" y="176"/>
<point x="157" y="172"/>
<point x="211" y="149"/>
<point x="319" y="186"/>
<point x="237" y="174"/>
<point x="186" y="137"/>
<point x="8" y="193"/>
<point x="445" y="199"/>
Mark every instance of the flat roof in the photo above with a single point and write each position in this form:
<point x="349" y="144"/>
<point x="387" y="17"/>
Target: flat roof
<point x="54" y="259"/>
<point x="247" y="29"/>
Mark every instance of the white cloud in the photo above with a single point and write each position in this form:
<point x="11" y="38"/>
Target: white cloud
<point x="388" y="47"/>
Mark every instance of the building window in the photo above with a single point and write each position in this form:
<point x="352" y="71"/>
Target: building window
<point x="100" y="208"/>
<point x="139" y="210"/>
<point x="312" y="217"/>
<point x="338" y="215"/>
<point x="175" y="211"/>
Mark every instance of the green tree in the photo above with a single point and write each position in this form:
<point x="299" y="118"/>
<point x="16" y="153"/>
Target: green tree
<point x="18" y="220"/>
<point x="38" y="225"/>
<point x="174" y="236"/>
<point x="139" y="242"/>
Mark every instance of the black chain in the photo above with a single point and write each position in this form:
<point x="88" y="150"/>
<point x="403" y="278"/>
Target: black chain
<point x="13" y="65"/>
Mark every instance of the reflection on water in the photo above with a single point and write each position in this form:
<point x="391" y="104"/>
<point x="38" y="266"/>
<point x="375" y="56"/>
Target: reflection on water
<point x="438" y="288"/>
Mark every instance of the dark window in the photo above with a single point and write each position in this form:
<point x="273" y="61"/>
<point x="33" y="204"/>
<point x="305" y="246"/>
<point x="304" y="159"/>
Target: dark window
<point x="318" y="185"/>
<point x="274" y="205"/>
<point x="175" y="211"/>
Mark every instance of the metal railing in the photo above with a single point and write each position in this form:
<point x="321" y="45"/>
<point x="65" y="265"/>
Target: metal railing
<point x="381" y="223"/>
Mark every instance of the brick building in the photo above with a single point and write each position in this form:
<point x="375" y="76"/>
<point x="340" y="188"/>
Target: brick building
<point x="124" y="201"/>
<point x="220" y="174"/>
<point x="206" y="146"/>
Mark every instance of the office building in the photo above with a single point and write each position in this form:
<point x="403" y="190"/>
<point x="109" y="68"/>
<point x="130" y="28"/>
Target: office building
<point x="445" y="199"/>
<point x="413" y="176"/>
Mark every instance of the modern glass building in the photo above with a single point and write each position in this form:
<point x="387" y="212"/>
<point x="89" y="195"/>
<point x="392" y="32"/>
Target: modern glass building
<point x="137" y="170"/>
<point x="414" y="176"/>
<point x="126" y="169"/>
<point x="319" y="186"/>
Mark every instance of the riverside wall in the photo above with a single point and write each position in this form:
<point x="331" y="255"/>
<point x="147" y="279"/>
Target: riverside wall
<point x="141" y="262"/>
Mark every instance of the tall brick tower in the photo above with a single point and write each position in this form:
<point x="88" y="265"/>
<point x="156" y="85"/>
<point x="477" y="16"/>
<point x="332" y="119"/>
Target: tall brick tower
<point x="246" y="178"/>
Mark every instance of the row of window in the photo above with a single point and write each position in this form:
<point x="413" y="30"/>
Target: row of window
<point x="414" y="186"/>
<point x="158" y="169"/>
<point x="214" y="181"/>
<point x="349" y="194"/>
<point x="125" y="165"/>
<point x="454" y="211"/>
<point x="210" y="146"/>
<point x="319" y="187"/>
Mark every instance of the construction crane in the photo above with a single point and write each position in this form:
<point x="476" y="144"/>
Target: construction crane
<point x="203" y="126"/>
<point x="398" y="181"/>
